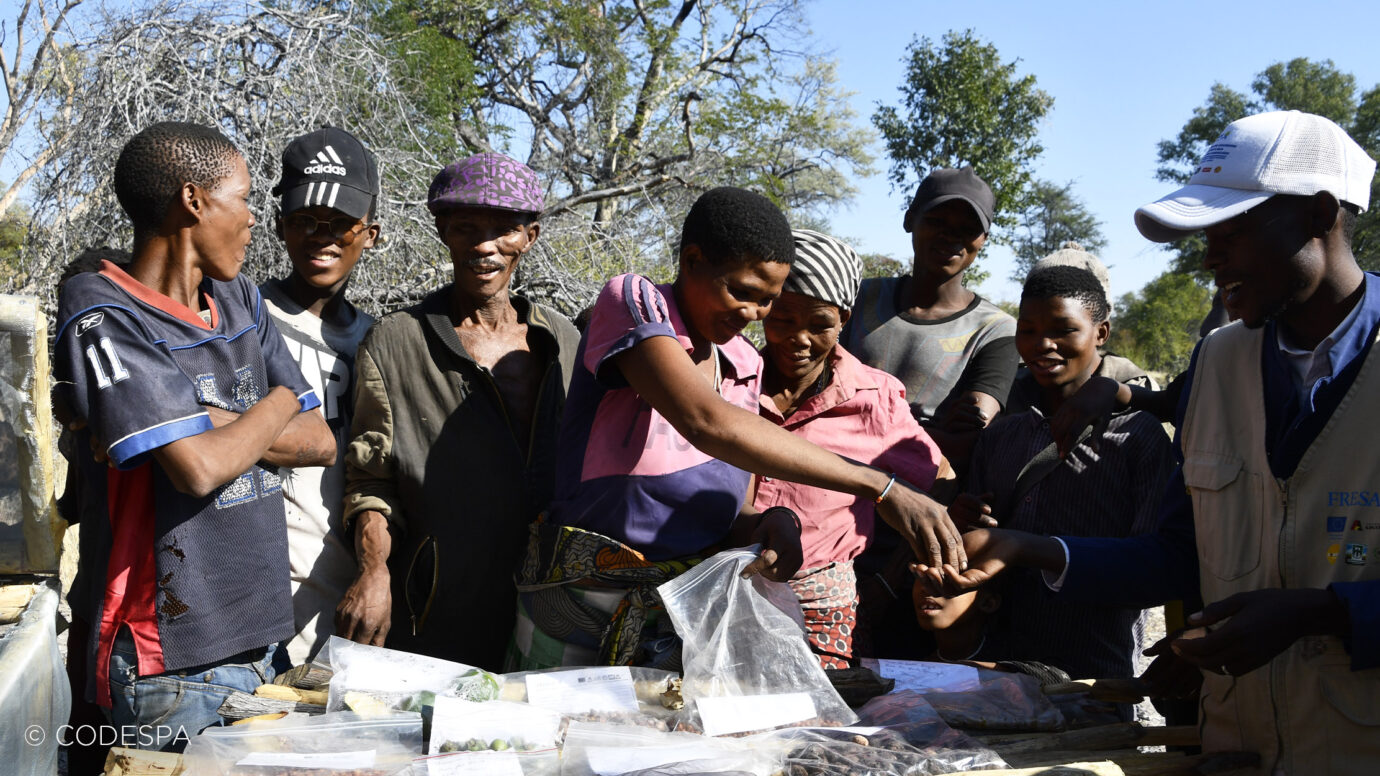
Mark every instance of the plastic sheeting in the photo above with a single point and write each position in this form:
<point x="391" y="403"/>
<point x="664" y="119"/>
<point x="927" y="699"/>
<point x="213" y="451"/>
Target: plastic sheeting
<point x="28" y="542"/>
<point x="34" y="694"/>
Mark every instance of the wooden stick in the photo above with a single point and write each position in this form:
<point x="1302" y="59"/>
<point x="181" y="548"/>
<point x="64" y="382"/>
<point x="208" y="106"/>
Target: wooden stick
<point x="1151" y="764"/>
<point x="1115" y="690"/>
<point x="241" y="704"/>
<point x="278" y="692"/>
<point x="1119" y="736"/>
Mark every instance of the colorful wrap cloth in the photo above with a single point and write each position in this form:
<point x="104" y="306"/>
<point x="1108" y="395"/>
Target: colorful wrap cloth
<point x="829" y="598"/>
<point x="586" y="599"/>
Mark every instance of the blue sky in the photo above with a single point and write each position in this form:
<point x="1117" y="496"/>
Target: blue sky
<point x="1124" y="75"/>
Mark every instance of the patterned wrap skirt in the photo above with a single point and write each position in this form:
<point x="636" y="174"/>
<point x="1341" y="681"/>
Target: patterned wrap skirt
<point x="829" y="598"/>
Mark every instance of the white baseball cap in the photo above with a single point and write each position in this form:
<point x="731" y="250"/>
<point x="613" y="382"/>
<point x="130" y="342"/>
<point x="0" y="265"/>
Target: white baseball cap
<point x="1255" y="158"/>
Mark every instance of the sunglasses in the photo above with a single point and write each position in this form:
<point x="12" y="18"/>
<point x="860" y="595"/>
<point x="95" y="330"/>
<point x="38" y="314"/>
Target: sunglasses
<point x="340" y="227"/>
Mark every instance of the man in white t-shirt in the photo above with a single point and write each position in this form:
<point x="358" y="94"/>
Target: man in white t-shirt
<point x="329" y="192"/>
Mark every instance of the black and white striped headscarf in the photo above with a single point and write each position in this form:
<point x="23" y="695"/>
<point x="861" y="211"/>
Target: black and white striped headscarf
<point x="824" y="268"/>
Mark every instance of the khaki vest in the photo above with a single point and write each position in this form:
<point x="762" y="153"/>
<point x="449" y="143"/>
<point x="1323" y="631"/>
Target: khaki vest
<point x="1306" y="712"/>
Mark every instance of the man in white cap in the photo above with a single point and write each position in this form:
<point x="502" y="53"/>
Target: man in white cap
<point x="1275" y="485"/>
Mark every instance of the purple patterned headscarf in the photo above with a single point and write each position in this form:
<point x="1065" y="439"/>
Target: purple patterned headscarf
<point x="486" y="180"/>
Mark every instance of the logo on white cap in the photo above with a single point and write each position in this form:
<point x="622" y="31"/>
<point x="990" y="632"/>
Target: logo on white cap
<point x="1255" y="158"/>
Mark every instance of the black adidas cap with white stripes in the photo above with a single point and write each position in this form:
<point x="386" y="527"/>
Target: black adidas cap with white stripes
<point x="328" y="167"/>
<point x="825" y="268"/>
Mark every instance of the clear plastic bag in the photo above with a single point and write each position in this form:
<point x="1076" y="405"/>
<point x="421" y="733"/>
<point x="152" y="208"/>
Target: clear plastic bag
<point x="616" y="695"/>
<point x="490" y="763"/>
<point x="332" y="744"/>
<point x="747" y="663"/>
<point x="615" y="750"/>
<point x="873" y="751"/>
<point x="369" y="679"/>
<point x="1012" y="702"/>
<point x="467" y="726"/>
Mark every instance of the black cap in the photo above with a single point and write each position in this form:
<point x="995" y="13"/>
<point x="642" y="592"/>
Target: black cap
<point x="944" y="184"/>
<point x="328" y="167"/>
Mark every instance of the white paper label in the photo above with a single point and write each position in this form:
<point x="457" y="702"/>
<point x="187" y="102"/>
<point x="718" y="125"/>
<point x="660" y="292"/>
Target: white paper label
<point x="459" y="721"/>
<point x="474" y="764"/>
<point x="381" y="672"/>
<point x="583" y="689"/>
<point x="612" y="761"/>
<point x="334" y="760"/>
<point x="736" y="714"/>
<point x="924" y="677"/>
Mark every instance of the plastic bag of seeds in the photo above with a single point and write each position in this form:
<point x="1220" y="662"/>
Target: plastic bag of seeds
<point x="618" y="695"/>
<point x="369" y="679"/>
<point x="747" y="663"/>
<point x="871" y="751"/>
<point x="334" y="744"/>
<point x="616" y="750"/>
<point x="488" y="763"/>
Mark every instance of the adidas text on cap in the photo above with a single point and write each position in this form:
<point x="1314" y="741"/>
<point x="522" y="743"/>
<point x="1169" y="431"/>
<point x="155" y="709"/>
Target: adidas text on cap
<point x="331" y="168"/>
<point x="1255" y="158"/>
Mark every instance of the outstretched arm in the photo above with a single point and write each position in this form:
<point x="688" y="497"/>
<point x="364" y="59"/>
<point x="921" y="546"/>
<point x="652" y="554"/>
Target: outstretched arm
<point x="662" y="373"/>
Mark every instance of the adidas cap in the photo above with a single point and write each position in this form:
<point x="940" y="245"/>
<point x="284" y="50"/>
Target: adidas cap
<point x="1255" y="158"/>
<point x="328" y="167"/>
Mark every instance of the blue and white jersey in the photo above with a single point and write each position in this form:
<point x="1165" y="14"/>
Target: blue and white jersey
<point x="195" y="579"/>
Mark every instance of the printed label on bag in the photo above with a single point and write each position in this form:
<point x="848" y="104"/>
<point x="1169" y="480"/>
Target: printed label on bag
<point x="335" y="760"/>
<point x="724" y="715"/>
<point x="583" y="689"/>
<point x="923" y="677"/>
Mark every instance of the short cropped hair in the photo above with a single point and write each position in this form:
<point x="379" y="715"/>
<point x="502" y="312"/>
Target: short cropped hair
<point x="731" y="224"/>
<point x="155" y="163"/>
<point x="1069" y="283"/>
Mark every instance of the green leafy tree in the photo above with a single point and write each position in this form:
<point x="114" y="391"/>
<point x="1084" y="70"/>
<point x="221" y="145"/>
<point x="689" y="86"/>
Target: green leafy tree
<point x="1157" y="326"/>
<point x="1053" y="217"/>
<point x="632" y="107"/>
<point x="880" y="265"/>
<point x="962" y="105"/>
<point x="1299" y="84"/>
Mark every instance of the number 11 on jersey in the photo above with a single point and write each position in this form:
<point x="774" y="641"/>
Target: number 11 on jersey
<point x="117" y="370"/>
